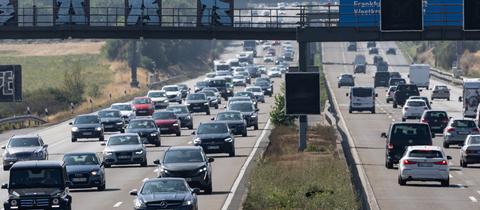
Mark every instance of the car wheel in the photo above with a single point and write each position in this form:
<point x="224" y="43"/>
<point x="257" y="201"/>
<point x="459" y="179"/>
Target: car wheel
<point x="463" y="164"/>
<point x="445" y="183"/>
<point x="208" y="112"/>
<point x="373" y="110"/>
<point x="216" y="106"/>
<point x="232" y="153"/>
<point x="102" y="138"/>
<point x="179" y="133"/>
<point x="190" y="126"/>
<point x="74" y="140"/>
<point x="388" y="101"/>
<point x="350" y="111"/>
<point x="395" y="105"/>
<point x="122" y="131"/>
<point x="431" y="99"/>
<point x="448" y="99"/>
<point x="339" y="86"/>
<point x="255" y="127"/>
<point x="401" y="182"/>
<point x="403" y="119"/>
<point x="5" y="168"/>
<point x="388" y="164"/>
<point x="179" y="102"/>
<point x="158" y="143"/>
<point x="446" y="145"/>
<point x="144" y="164"/>
<point x="244" y="134"/>
<point x="209" y="189"/>
<point x="107" y="165"/>
<point x="102" y="188"/>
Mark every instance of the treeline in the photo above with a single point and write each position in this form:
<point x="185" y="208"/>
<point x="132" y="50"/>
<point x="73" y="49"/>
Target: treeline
<point x="444" y="52"/>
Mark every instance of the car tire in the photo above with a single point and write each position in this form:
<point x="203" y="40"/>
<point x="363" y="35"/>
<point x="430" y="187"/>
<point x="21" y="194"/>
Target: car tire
<point x="388" y="101"/>
<point x="190" y="126"/>
<point x="6" y="168"/>
<point x="244" y="134"/>
<point x="209" y="189"/>
<point x="350" y="111"/>
<point x="446" y="145"/>
<point x="255" y="127"/>
<point x="463" y="164"/>
<point x="74" y="140"/>
<point x="102" y="138"/>
<point x="179" y="133"/>
<point x="107" y="165"/>
<point x="388" y="165"/>
<point x="208" y="112"/>
<point x="102" y="188"/>
<point x="403" y="119"/>
<point x="158" y="143"/>
<point x="373" y="110"/>
<point x="144" y="164"/>
<point x="122" y="131"/>
<point x="395" y="105"/>
<point x="216" y="106"/>
<point x="401" y="181"/>
<point x="232" y="152"/>
<point x="448" y="99"/>
<point x="339" y="86"/>
<point x="445" y="183"/>
<point x="180" y="102"/>
<point x="431" y="99"/>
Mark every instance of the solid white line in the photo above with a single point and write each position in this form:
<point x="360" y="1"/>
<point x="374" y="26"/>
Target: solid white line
<point x="118" y="204"/>
<point x="244" y="168"/>
<point x="473" y="199"/>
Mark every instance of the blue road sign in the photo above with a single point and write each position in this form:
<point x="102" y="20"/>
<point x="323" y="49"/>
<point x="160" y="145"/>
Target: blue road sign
<point x="443" y="13"/>
<point x="359" y="13"/>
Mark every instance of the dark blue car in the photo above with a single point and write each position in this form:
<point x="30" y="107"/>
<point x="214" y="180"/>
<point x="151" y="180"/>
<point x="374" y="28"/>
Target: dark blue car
<point x="85" y="170"/>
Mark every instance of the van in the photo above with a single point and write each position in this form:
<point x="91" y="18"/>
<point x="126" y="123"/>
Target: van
<point x="402" y="135"/>
<point x="381" y="79"/>
<point x="362" y="99"/>
<point x="360" y="64"/>
<point x="419" y="75"/>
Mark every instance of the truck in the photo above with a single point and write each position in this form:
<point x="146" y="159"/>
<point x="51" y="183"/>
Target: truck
<point x="470" y="97"/>
<point x="419" y="75"/>
<point x="250" y="45"/>
<point x="245" y="57"/>
<point x="221" y="65"/>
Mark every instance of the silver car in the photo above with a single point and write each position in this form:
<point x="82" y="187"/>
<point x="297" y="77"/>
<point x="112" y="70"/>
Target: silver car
<point x="22" y="148"/>
<point x="457" y="131"/>
<point x="440" y="92"/>
<point x="258" y="92"/>
<point x="424" y="163"/>
<point x="470" y="152"/>
<point x="125" y="109"/>
<point x="122" y="149"/>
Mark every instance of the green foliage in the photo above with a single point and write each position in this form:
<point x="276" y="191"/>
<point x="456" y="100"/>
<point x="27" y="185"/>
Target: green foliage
<point x="277" y="115"/>
<point x="73" y="84"/>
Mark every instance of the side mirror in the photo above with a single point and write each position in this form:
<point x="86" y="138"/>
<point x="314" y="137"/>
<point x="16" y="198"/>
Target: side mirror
<point x="156" y="162"/>
<point x="420" y="90"/>
<point x="196" y="190"/>
<point x="376" y="94"/>
<point x="210" y="159"/>
<point x="449" y="157"/>
<point x="45" y="146"/>
<point x="213" y="118"/>
<point x="70" y="123"/>
<point x="103" y="144"/>
<point x="346" y="94"/>
<point x="134" y="192"/>
<point x="431" y="102"/>
<point x="5" y="186"/>
<point x="460" y="98"/>
<point x="257" y="109"/>
<point x="384" y="135"/>
<point x="4" y="147"/>
<point x="193" y="133"/>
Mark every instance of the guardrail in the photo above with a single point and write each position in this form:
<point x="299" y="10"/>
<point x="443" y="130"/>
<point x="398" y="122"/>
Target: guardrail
<point x="18" y="122"/>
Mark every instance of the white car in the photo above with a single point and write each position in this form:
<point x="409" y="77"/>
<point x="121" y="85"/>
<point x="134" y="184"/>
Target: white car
<point x="210" y="76"/>
<point x="470" y="151"/>
<point x="274" y="73"/>
<point x="159" y="98"/>
<point x="424" y="163"/>
<point x="173" y="92"/>
<point x="413" y="109"/>
<point x="257" y="92"/>
<point x="125" y="109"/>
<point x="239" y="80"/>
<point x="390" y="93"/>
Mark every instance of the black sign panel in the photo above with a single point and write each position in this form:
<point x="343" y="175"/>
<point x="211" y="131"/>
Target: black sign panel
<point x="10" y="83"/>
<point x="302" y="93"/>
<point x="471" y="10"/>
<point x="401" y="15"/>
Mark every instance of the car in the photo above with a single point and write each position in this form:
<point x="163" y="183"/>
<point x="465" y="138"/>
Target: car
<point x="268" y="59"/>
<point x="174" y="93"/>
<point x="200" y="85"/>
<point x="85" y="170"/>
<point x="381" y="79"/>
<point x="38" y="184"/>
<point x="125" y="109"/>
<point x="391" y="51"/>
<point x="287" y="56"/>
<point x="198" y="102"/>
<point x="390" y="93"/>
<point x="424" y="99"/>
<point x="250" y="95"/>
<point x="359" y="68"/>
<point x="112" y="120"/>
<point x="159" y="98"/>
<point x="403" y="134"/>
<point x="215" y="137"/>
<point x="239" y="80"/>
<point x="402" y="93"/>
<point x="274" y="72"/>
<point x="211" y="97"/>
<point x="257" y="92"/>
<point x="184" y="89"/>
<point x="248" y="110"/>
<point x="396" y="81"/>
<point x="222" y="86"/>
<point x="424" y="163"/>
<point x="437" y="120"/>
<point x="267" y="87"/>
<point x="217" y="93"/>
<point x="210" y="76"/>
<point x="87" y="126"/>
<point x="146" y="129"/>
<point x="262" y="69"/>
<point x="371" y="44"/>
<point x="352" y="46"/>
<point x="372" y="50"/>
<point x="440" y="92"/>
<point x="167" y="122"/>
<point x="246" y="75"/>
<point x="395" y="74"/>
<point x="165" y="192"/>
<point x="253" y="71"/>
<point x="23" y="148"/>
<point x="377" y="59"/>
<point x="413" y="109"/>
<point x="182" y="112"/>
<point x="457" y="131"/>
<point x="124" y="149"/>
<point x="362" y="99"/>
<point x="143" y="106"/>
<point x="234" y="120"/>
<point x="470" y="151"/>
<point x="346" y="80"/>
<point x="188" y="162"/>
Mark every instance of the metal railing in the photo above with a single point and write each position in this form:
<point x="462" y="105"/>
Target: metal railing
<point x="18" y="122"/>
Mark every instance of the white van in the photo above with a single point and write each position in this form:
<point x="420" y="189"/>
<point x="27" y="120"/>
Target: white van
<point x="362" y="99"/>
<point x="420" y="75"/>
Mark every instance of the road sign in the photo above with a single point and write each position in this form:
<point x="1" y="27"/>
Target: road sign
<point x="443" y="13"/>
<point x="10" y="83"/>
<point x="472" y="15"/>
<point x="302" y="93"/>
<point x="215" y="12"/>
<point x="359" y="13"/>
<point x="401" y="15"/>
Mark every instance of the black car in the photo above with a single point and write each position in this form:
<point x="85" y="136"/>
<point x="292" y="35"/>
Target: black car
<point x="381" y="79"/>
<point x="188" y="162"/>
<point x="182" y="112"/>
<point x="85" y="170"/>
<point x="249" y="112"/>
<point x="200" y="85"/>
<point x="246" y="94"/>
<point x="391" y="51"/>
<point x="184" y="89"/>
<point x="38" y="185"/>
<point x="222" y="86"/>
<point x="215" y="137"/>
<point x="395" y="74"/>
<point x="171" y="193"/>
<point x="396" y="81"/>
<point x="146" y="129"/>
<point x="266" y="86"/>
<point x="373" y="50"/>
<point x="404" y="92"/>
<point x="112" y="120"/>
<point x="87" y="126"/>
<point x="198" y="102"/>
<point x="253" y="71"/>
<point x="382" y="66"/>
<point x="212" y="98"/>
<point x="234" y="120"/>
<point x="402" y="135"/>
<point x="360" y="68"/>
<point x="438" y="120"/>
<point x="346" y="80"/>
<point x="377" y="59"/>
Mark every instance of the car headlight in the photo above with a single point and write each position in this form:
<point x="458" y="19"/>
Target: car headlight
<point x="187" y="104"/>
<point x="74" y="129"/>
<point x="189" y="117"/>
<point x="269" y="89"/>
<point x="13" y="203"/>
<point x="98" y="128"/>
<point x="139" y="152"/>
<point x="197" y="141"/>
<point x="153" y="134"/>
<point x="138" y="203"/>
<point x="119" y="123"/>
<point x="38" y="153"/>
<point x="106" y="153"/>
<point x="206" y="104"/>
<point x="94" y="173"/>
<point x="229" y="139"/>
<point x="254" y="116"/>
<point x="7" y="155"/>
<point x="202" y="170"/>
<point x="175" y="124"/>
<point x="55" y="201"/>
<point x="165" y="101"/>
<point x="187" y="203"/>
<point x="163" y="170"/>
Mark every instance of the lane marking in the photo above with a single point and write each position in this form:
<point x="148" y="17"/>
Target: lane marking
<point x="461" y="186"/>
<point x="118" y="204"/>
<point x="473" y="199"/>
<point x="478" y="191"/>
<point x="244" y="168"/>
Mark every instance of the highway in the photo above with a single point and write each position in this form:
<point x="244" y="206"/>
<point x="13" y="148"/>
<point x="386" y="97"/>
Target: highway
<point x="365" y="128"/>
<point x="121" y="179"/>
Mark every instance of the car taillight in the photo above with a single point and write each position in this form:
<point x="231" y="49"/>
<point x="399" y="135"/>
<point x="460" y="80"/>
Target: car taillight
<point x="389" y="146"/>
<point x="424" y="121"/>
<point x="443" y="162"/>
<point x="408" y="162"/>
<point x="450" y="130"/>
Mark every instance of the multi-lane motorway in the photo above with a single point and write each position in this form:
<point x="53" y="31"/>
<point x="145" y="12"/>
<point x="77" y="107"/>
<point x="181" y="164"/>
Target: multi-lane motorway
<point x="365" y="129"/>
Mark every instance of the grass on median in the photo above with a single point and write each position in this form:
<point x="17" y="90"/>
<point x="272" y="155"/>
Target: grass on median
<point x="316" y="179"/>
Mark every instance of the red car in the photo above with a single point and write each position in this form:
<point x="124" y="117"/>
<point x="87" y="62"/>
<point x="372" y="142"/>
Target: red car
<point x="167" y="122"/>
<point x="143" y="106"/>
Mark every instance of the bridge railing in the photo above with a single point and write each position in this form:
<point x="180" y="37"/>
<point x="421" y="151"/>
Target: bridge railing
<point x="17" y="122"/>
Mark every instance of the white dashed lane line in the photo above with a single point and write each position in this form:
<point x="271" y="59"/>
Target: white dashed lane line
<point x="118" y="204"/>
<point x="473" y="199"/>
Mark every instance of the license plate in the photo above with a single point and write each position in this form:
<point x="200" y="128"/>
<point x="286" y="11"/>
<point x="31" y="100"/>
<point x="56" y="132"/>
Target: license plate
<point x="357" y="104"/>
<point x="87" y="133"/>
<point x="142" y="111"/>
<point x="213" y="147"/>
<point x="123" y="157"/>
<point x="79" y="179"/>
<point x="196" y="107"/>
<point x="425" y="165"/>
<point x="108" y="126"/>
<point x="164" y="129"/>
<point x="143" y="139"/>
<point x="436" y="127"/>
<point x="463" y="132"/>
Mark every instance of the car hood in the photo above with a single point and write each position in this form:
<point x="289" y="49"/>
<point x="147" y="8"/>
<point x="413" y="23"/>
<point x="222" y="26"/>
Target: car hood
<point x="82" y="168"/>
<point x="257" y="94"/>
<point x="166" y="196"/>
<point x="246" y="113"/>
<point x="196" y="101"/>
<point x="183" y="166"/>
<point x="120" y="148"/>
<point x="238" y="80"/>
<point x="86" y="125"/>
<point x="111" y="119"/>
<point x="126" y="113"/>
<point x="142" y="106"/>
<point x="141" y="130"/>
<point x="231" y="122"/>
<point x="165" y="121"/>
<point x="212" y="97"/>
<point x="213" y="136"/>
<point x="182" y="114"/>
<point x="23" y="149"/>
<point x="172" y="93"/>
<point x="159" y="99"/>
<point x="27" y="192"/>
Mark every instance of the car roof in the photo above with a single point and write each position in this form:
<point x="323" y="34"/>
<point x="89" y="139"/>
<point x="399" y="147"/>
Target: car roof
<point x="141" y="97"/>
<point x="87" y="115"/>
<point x="416" y="100"/>
<point x="164" y="111"/>
<point x="123" y="134"/>
<point x="37" y="164"/>
<point x="110" y="110"/>
<point x="425" y="147"/>
<point x="141" y="119"/>
<point x="25" y="136"/>
<point x="164" y="178"/>
<point x="236" y="112"/>
<point x="155" y="91"/>
<point x="170" y="86"/>
<point x="80" y="153"/>
<point x="184" y="148"/>
<point x="177" y="105"/>
<point x="121" y="104"/>
<point x="242" y="102"/>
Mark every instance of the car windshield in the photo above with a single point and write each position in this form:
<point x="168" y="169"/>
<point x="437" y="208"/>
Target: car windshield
<point x="202" y="84"/>
<point x="408" y="88"/>
<point x="410" y="134"/>
<point x="212" y="128"/>
<point x="80" y="159"/>
<point x="464" y="124"/>
<point x="425" y="154"/>
<point x="441" y="88"/>
<point x="164" y="115"/>
<point x="255" y="90"/>
<point x="36" y="178"/>
<point x="178" y="109"/>
<point x="208" y="93"/>
<point x="262" y="83"/>
<point x="24" y="142"/>
<point x="109" y="114"/>
<point x="156" y="94"/>
<point x="362" y="92"/>
<point x="172" y="88"/>
<point x="86" y="120"/>
<point x="211" y="89"/>
<point x="183" y="156"/>
<point x="196" y="97"/>
<point x="141" y="124"/>
<point x="474" y="140"/>
<point x="217" y="82"/>
<point x="141" y="101"/>
<point x="242" y="107"/>
<point x="416" y="103"/>
<point x="164" y="186"/>
<point x="247" y="94"/>
<point x="122" y="107"/>
<point x="238" y="77"/>
<point x="438" y="115"/>
<point x="239" y="99"/>
<point x="229" y="116"/>
<point x="346" y="77"/>
<point x="123" y="140"/>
